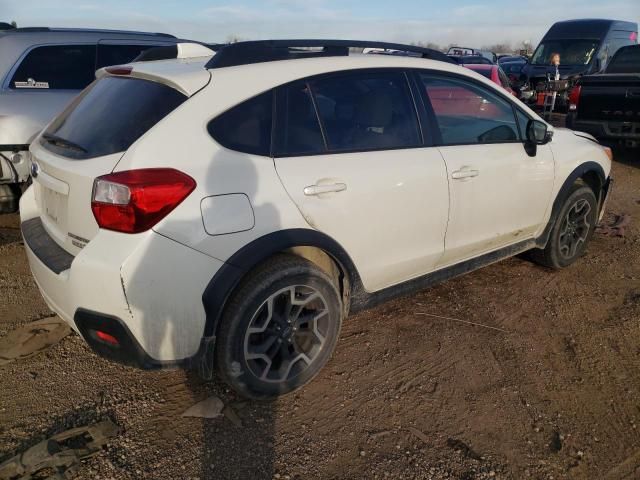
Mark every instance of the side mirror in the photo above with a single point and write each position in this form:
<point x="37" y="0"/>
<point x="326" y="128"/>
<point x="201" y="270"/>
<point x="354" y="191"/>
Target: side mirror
<point x="538" y="132"/>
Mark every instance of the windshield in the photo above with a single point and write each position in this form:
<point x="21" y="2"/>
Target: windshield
<point x="109" y="116"/>
<point x="572" y="52"/>
<point x="627" y="60"/>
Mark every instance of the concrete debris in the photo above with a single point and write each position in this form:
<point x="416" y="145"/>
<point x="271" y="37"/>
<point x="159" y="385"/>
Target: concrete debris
<point x="210" y="408"/>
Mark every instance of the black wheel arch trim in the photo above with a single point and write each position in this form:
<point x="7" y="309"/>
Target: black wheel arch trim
<point x="229" y="276"/>
<point x="563" y="193"/>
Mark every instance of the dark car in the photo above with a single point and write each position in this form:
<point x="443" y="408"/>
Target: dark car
<point x="584" y="46"/>
<point x="607" y="105"/>
<point x="471" y="59"/>
<point x="462" y="52"/>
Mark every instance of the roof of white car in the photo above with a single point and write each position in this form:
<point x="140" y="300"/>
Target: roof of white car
<point x="190" y="75"/>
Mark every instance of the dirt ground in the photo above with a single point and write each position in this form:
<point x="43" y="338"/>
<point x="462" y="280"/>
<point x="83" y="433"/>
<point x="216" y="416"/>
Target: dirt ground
<point x="553" y="391"/>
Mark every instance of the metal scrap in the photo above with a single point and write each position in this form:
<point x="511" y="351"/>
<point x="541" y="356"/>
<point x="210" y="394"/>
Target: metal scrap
<point x="32" y="338"/>
<point x="616" y="226"/>
<point x="58" y="457"/>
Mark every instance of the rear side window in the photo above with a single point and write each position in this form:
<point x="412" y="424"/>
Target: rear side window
<point x="110" y="116"/>
<point x="626" y="60"/>
<point x="118" y="54"/>
<point x="64" y="67"/>
<point x="468" y="113"/>
<point x="367" y="111"/>
<point x="246" y="127"/>
<point x="298" y="131"/>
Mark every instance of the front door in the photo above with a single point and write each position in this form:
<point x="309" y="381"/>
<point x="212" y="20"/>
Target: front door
<point x="499" y="194"/>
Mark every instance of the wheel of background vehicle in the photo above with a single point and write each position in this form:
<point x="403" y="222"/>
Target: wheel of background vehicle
<point x="279" y="329"/>
<point x="572" y="230"/>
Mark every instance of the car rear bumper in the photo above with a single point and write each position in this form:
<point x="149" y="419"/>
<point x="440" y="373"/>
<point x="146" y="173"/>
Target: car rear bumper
<point x="147" y="283"/>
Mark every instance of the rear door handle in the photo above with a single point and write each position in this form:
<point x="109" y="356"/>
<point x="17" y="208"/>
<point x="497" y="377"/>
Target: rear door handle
<point x="328" y="188"/>
<point x="464" y="172"/>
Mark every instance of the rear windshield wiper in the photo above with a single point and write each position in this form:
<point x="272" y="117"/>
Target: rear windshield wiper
<point x="61" y="142"/>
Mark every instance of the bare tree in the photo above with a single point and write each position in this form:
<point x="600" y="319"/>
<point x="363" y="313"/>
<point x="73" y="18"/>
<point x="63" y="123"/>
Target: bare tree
<point x="234" y="39"/>
<point x="503" y="47"/>
<point x="431" y="45"/>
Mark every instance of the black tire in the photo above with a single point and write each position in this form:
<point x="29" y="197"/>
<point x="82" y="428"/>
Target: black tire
<point x="572" y="230"/>
<point x="270" y="302"/>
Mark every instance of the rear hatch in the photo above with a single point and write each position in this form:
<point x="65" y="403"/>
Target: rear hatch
<point x="88" y="139"/>
<point x="614" y="97"/>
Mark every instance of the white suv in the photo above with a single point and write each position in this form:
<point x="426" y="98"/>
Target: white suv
<point x="230" y="211"/>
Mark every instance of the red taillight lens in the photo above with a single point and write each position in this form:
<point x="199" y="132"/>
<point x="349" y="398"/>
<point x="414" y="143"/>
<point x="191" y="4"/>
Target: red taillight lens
<point x="574" y="97"/>
<point x="107" y="338"/>
<point x="135" y="200"/>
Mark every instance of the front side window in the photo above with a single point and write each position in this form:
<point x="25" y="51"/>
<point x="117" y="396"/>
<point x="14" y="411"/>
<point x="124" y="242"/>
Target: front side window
<point x="468" y="113"/>
<point x="572" y="52"/>
<point x="109" y="116"/>
<point x="366" y="111"/>
<point x="246" y="127"/>
<point x="64" y="67"/>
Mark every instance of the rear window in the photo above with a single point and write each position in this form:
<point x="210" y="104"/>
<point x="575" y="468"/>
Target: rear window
<point x="60" y="67"/>
<point x="119" y="54"/>
<point x="109" y="116"/>
<point x="626" y="60"/>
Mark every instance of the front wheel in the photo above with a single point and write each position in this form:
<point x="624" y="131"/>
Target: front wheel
<point x="572" y="230"/>
<point x="279" y="329"/>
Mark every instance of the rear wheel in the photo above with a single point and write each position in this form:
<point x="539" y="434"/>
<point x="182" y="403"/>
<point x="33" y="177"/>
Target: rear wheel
<point x="572" y="230"/>
<point x="279" y="329"/>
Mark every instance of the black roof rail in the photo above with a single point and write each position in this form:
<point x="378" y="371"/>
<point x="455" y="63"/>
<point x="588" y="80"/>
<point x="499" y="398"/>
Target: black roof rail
<point x="259" y="51"/>
<point x="86" y="30"/>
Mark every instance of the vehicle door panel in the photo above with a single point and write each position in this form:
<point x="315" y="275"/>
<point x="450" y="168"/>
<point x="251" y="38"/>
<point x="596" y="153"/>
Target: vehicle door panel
<point x="388" y="206"/>
<point x="498" y="193"/>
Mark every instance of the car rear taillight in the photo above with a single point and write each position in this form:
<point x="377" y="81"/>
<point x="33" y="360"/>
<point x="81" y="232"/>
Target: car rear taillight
<point x="135" y="200"/>
<point x="574" y="97"/>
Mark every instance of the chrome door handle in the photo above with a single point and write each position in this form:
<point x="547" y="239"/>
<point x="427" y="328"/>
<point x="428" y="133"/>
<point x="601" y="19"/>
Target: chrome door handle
<point x="464" y="172"/>
<point x="320" y="189"/>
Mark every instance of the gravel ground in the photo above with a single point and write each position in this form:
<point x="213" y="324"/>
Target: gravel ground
<point x="552" y="392"/>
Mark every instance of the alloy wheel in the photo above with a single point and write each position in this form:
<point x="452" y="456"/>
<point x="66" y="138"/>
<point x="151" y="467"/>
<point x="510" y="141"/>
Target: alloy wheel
<point x="575" y="228"/>
<point x="287" y="333"/>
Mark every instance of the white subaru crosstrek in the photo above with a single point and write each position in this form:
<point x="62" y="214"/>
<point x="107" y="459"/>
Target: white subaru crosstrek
<point x="232" y="210"/>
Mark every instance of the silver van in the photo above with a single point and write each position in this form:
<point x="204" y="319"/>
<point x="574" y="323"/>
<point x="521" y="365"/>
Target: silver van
<point x="41" y="70"/>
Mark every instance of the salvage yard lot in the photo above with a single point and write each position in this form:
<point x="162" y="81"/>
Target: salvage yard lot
<point x="552" y="390"/>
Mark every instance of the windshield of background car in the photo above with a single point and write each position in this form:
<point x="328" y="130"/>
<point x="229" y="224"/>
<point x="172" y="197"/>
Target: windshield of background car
<point x="572" y="52"/>
<point x="109" y="116"/>
<point x="626" y="60"/>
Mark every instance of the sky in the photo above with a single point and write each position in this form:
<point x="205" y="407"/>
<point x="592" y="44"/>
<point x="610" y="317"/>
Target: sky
<point x="469" y="22"/>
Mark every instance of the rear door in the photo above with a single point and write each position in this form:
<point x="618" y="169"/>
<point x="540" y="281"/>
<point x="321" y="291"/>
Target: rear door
<point x="499" y="194"/>
<point x="87" y="140"/>
<point x="363" y="175"/>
